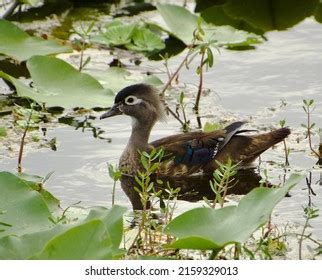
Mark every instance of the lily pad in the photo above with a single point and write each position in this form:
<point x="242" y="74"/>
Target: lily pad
<point x="117" y="34"/>
<point x="22" y="208"/>
<point x="117" y="78"/>
<point x="269" y="14"/>
<point x="57" y="83"/>
<point x="29" y="231"/>
<point x="206" y="228"/>
<point x="95" y="238"/>
<point x="145" y="40"/>
<point x="19" y="45"/>
<point x="131" y="36"/>
<point x="182" y="24"/>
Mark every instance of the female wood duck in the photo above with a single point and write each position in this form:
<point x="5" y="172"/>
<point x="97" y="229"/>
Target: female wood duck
<point x="190" y="152"/>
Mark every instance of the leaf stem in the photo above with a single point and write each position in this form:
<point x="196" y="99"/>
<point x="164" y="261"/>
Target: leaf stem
<point x="22" y="143"/>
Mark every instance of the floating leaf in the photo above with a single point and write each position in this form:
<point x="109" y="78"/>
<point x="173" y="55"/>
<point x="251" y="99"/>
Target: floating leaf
<point x="28" y="230"/>
<point x="18" y="44"/>
<point x="24" y="209"/>
<point x="130" y="36"/>
<point x="269" y="14"/>
<point x="206" y="228"/>
<point x="145" y="40"/>
<point x="57" y="83"/>
<point x="182" y="24"/>
<point x="97" y="238"/>
<point x="118" y="35"/>
<point x="117" y="78"/>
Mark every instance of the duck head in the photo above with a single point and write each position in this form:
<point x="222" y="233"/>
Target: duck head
<point x="139" y="101"/>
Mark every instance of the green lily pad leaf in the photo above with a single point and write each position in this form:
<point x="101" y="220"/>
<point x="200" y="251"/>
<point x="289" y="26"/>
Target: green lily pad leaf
<point x="36" y="183"/>
<point x="130" y="36"/>
<point x="206" y="228"/>
<point x="24" y="209"/>
<point x="269" y="14"/>
<point x="182" y="24"/>
<point x="19" y="45"/>
<point x="145" y="40"/>
<point x="117" y="78"/>
<point x="57" y="83"/>
<point x="217" y="15"/>
<point x="28" y="230"/>
<point x="97" y="238"/>
<point x="116" y="34"/>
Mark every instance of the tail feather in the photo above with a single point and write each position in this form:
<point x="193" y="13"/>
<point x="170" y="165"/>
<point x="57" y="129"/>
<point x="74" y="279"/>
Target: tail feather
<point x="247" y="148"/>
<point x="262" y="142"/>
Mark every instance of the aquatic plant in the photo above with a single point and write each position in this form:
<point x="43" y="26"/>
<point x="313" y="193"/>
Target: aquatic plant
<point x="82" y="42"/>
<point x="308" y="108"/>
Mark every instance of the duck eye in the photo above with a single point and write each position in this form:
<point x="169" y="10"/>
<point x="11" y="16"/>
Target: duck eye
<point x="132" y="100"/>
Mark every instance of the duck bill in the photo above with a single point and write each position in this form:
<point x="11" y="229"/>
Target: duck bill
<point x="114" y="111"/>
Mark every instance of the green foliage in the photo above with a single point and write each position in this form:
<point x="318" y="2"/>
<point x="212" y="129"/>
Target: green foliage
<point x="182" y="24"/>
<point x="114" y="172"/>
<point x="84" y="35"/>
<point x="19" y="45"/>
<point x="116" y="78"/>
<point x="57" y="83"/>
<point x="24" y="208"/>
<point x="206" y="228"/>
<point x="29" y="229"/>
<point x="223" y="180"/>
<point x="309" y="107"/>
<point x="150" y="162"/>
<point x="26" y="117"/>
<point x="117" y="34"/>
<point x="131" y="36"/>
<point x="97" y="237"/>
<point x="3" y="131"/>
<point x="144" y="40"/>
<point x="209" y="127"/>
<point x="258" y="16"/>
<point x="311" y="212"/>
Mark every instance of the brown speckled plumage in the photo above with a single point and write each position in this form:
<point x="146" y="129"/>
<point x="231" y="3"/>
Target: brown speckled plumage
<point x="187" y="153"/>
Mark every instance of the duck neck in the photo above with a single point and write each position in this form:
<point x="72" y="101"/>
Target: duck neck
<point x="140" y="135"/>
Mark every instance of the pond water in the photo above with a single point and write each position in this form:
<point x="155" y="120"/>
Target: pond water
<point x="262" y="86"/>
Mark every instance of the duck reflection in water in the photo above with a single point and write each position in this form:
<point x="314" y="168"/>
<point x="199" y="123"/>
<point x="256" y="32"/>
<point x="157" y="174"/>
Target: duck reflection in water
<point x="195" y="188"/>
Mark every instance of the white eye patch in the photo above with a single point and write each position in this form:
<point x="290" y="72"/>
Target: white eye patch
<point x="132" y="100"/>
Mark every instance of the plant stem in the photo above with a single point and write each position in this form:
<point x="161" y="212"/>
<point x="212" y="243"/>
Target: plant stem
<point x="309" y="132"/>
<point x="81" y="56"/>
<point x="113" y="193"/>
<point x="302" y="237"/>
<point x="196" y="107"/>
<point x="173" y="113"/>
<point x="171" y="78"/>
<point x="214" y="254"/>
<point x="22" y="143"/>
<point x="287" y="163"/>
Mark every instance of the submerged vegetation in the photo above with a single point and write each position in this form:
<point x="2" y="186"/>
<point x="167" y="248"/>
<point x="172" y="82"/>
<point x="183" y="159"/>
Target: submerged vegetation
<point x="60" y="83"/>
